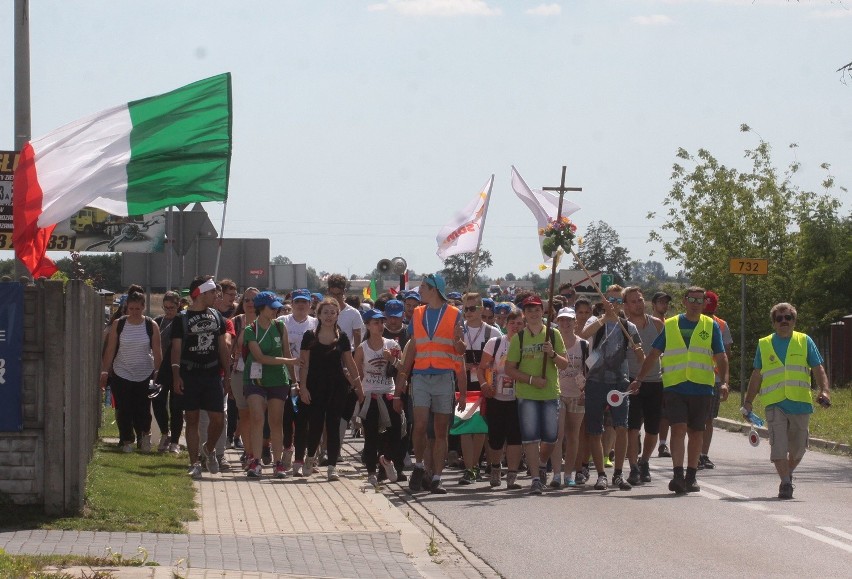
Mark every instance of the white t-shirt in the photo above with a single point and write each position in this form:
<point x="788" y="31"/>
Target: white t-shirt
<point x="376" y="380"/>
<point x="134" y="360"/>
<point x="350" y="320"/>
<point x="503" y="385"/>
<point x="295" y="331"/>
<point x="571" y="379"/>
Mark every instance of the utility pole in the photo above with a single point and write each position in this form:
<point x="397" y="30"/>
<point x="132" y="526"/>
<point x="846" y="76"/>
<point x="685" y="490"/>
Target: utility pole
<point x="23" y="117"/>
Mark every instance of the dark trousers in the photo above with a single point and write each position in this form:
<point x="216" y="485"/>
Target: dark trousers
<point x="168" y="413"/>
<point x="325" y="411"/>
<point x="233" y="417"/>
<point x="386" y="443"/>
<point x="295" y="428"/>
<point x="132" y="408"/>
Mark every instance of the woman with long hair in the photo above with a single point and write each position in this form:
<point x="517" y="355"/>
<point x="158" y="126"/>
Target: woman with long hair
<point x="326" y="387"/>
<point x="166" y="405"/>
<point x="244" y="316"/>
<point x="132" y="355"/>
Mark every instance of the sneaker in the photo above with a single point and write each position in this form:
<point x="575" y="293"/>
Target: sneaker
<point x="373" y="480"/>
<point x="512" y="481"/>
<point x="287" y="459"/>
<point x="145" y="445"/>
<point x="542" y="476"/>
<point x="224" y="465"/>
<point x="308" y="466"/>
<point x="580" y="477"/>
<point x="556" y="483"/>
<point x="174" y="448"/>
<point x="469" y="477"/>
<point x="278" y="471"/>
<point x="623" y="485"/>
<point x="644" y="471"/>
<point x="127" y="448"/>
<point x="437" y="487"/>
<point x="297" y="469"/>
<point x="195" y="471"/>
<point x="238" y="443"/>
<point x="785" y="491"/>
<point x="254" y="469"/>
<point x="212" y="460"/>
<point x="415" y="483"/>
<point x="691" y="486"/>
<point x="494" y="478"/>
<point x="663" y="451"/>
<point x="607" y="462"/>
<point x="635" y="477"/>
<point x="678" y="486"/>
<point x="536" y="488"/>
<point x="332" y="473"/>
<point x="601" y="485"/>
<point x="390" y="469"/>
<point x="266" y="455"/>
<point x="164" y="443"/>
<point x="705" y="462"/>
<point x="585" y="472"/>
<point x="570" y="482"/>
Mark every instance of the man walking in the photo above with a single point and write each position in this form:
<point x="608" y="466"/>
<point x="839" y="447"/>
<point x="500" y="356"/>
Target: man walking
<point x="711" y="302"/>
<point x="782" y="372"/>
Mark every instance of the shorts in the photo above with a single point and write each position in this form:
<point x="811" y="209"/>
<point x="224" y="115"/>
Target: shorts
<point x="237" y="390"/>
<point x="504" y="426"/>
<point x="267" y="392"/>
<point x="539" y="420"/>
<point x="717" y="401"/>
<point x="596" y="403"/>
<point x="434" y="391"/>
<point x="573" y="404"/>
<point x="203" y="390"/>
<point x="692" y="410"/>
<point x="788" y="434"/>
<point x="646" y="407"/>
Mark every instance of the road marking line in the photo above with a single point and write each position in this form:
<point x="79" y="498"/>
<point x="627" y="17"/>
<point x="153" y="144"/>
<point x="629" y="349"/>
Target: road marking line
<point x="723" y="491"/>
<point x="818" y="537"/>
<point x="837" y="532"/>
<point x="785" y="519"/>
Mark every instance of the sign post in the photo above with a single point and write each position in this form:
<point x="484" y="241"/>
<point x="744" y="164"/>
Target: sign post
<point x="744" y="267"/>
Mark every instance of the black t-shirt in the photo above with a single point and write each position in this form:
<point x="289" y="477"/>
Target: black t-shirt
<point x="201" y="345"/>
<point x="325" y="369"/>
<point x="401" y="338"/>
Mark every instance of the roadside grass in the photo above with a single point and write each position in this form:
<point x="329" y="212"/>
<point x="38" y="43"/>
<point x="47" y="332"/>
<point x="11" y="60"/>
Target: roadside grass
<point x="37" y="566"/>
<point x="834" y="424"/>
<point x="131" y="492"/>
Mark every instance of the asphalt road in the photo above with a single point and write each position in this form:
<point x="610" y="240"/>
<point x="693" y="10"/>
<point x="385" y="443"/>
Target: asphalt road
<point x="735" y="527"/>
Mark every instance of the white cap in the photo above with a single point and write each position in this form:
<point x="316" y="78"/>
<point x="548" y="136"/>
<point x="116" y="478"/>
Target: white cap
<point x="567" y="313"/>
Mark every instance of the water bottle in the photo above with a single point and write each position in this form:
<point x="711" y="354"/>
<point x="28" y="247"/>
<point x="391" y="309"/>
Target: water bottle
<point x="294" y="399"/>
<point x="752" y="417"/>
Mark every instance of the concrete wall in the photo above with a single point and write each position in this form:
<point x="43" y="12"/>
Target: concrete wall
<point x="46" y="463"/>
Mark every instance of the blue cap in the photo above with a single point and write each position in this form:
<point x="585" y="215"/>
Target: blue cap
<point x="454" y="296"/>
<point x="436" y="280"/>
<point x="394" y="308"/>
<point x="301" y="294"/>
<point x="317" y="295"/>
<point x="267" y="299"/>
<point x="411" y="295"/>
<point x="488" y="304"/>
<point x="503" y="308"/>
<point x="373" y="314"/>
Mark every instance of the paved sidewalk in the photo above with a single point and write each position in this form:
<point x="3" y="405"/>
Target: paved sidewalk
<point x="314" y="529"/>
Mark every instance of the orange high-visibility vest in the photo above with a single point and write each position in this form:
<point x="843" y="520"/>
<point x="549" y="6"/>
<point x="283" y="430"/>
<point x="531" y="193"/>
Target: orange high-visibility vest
<point x="437" y="352"/>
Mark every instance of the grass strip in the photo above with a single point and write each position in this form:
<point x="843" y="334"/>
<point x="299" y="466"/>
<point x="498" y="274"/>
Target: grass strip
<point x="37" y="566"/>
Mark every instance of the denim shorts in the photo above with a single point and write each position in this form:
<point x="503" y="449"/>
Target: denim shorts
<point x="434" y="391"/>
<point x="596" y="402"/>
<point x="539" y="420"/>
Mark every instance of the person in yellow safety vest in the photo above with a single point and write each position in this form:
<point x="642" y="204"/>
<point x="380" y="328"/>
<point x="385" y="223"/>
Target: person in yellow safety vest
<point x="711" y="302"/>
<point x="692" y="343"/>
<point x="431" y="360"/>
<point x="782" y="372"/>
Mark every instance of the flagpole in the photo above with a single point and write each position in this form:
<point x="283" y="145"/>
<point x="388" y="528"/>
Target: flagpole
<point x="221" y="238"/>
<point x="472" y="273"/>
<point x="548" y="331"/>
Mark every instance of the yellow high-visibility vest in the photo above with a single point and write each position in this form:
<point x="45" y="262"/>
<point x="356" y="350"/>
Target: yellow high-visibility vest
<point x="694" y="364"/>
<point x="790" y="380"/>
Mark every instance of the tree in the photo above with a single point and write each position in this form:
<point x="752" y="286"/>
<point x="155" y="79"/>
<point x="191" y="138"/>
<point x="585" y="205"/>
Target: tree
<point x="510" y="277"/>
<point x="103" y="270"/>
<point x="313" y="279"/>
<point x="457" y="269"/>
<point x="601" y="250"/>
<point x="281" y="260"/>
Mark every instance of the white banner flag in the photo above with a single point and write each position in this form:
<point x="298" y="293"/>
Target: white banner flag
<point x="464" y="232"/>
<point x="543" y="204"/>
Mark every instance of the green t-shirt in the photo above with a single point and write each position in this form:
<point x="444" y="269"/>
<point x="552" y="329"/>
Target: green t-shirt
<point x="270" y="345"/>
<point x="530" y="363"/>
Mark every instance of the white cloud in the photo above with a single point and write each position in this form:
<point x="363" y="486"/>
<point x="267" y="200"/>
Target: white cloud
<point x="436" y="8"/>
<point x="652" y="20"/>
<point x="830" y="14"/>
<point x="545" y="10"/>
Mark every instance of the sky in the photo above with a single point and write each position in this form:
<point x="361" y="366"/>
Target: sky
<point x="361" y="127"/>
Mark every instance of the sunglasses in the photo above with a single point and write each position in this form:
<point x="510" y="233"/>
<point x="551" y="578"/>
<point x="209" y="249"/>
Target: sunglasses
<point x="693" y="300"/>
<point x="615" y="300"/>
<point x="471" y="308"/>
<point x="785" y="318"/>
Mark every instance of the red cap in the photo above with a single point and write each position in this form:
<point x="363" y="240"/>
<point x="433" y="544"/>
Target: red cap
<point x="711" y="302"/>
<point x="532" y="301"/>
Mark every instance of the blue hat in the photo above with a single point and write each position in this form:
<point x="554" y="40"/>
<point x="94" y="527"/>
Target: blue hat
<point x="373" y="314"/>
<point x="488" y="304"/>
<point x="436" y="280"/>
<point x="317" y="295"/>
<point x="267" y="299"/>
<point x="394" y="308"/>
<point x="503" y="308"/>
<point x="411" y="295"/>
<point x="301" y="294"/>
<point x="454" y="296"/>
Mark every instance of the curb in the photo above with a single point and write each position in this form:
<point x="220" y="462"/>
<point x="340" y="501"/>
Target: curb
<point x="744" y="428"/>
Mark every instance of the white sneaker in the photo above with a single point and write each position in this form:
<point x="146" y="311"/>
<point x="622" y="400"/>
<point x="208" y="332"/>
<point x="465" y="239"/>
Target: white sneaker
<point x="195" y="471"/>
<point x="212" y="460"/>
<point x="332" y="473"/>
<point x="127" y="448"/>
<point x="164" y="443"/>
<point x="174" y="448"/>
<point x="146" y="442"/>
<point x="390" y="470"/>
<point x="373" y="480"/>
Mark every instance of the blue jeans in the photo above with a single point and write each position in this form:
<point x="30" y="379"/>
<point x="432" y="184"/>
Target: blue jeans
<point x="539" y="420"/>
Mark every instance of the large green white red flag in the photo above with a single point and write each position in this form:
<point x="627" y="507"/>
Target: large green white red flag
<point x="128" y="160"/>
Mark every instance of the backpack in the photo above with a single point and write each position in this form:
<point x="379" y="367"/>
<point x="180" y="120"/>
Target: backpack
<point x="149" y="327"/>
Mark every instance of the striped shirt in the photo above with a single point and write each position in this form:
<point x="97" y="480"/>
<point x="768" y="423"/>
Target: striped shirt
<point x="134" y="360"/>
